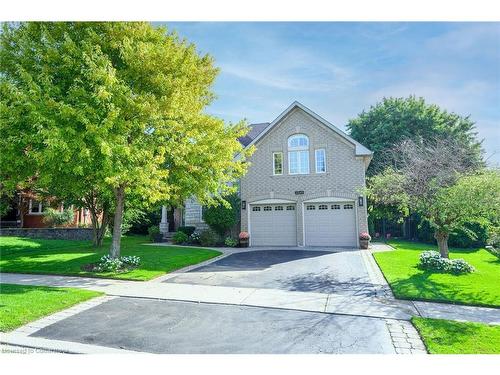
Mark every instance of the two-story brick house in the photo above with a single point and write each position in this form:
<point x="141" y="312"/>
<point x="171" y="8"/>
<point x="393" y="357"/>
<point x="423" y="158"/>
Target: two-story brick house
<point x="304" y="184"/>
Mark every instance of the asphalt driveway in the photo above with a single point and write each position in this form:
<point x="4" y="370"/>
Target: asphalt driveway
<point x="184" y="327"/>
<point x="342" y="272"/>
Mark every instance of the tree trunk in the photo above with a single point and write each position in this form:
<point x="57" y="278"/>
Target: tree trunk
<point x="117" y="222"/>
<point x="101" y="230"/>
<point x="442" y="241"/>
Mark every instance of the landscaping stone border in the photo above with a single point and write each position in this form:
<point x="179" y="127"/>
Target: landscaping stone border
<point x="49" y="233"/>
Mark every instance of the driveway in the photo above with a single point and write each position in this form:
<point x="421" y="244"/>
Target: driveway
<point x="185" y="327"/>
<point x="258" y="301"/>
<point x="341" y="272"/>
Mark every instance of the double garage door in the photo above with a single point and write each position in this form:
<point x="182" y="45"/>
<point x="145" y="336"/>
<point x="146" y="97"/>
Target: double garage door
<point x="325" y="224"/>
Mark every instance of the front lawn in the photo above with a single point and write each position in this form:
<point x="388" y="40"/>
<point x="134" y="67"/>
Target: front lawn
<point x="407" y="281"/>
<point x="449" y="337"/>
<point x="65" y="257"/>
<point x="21" y="304"/>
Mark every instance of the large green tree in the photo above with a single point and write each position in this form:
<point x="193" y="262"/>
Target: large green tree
<point x="393" y="120"/>
<point x="440" y="183"/>
<point x="111" y="111"/>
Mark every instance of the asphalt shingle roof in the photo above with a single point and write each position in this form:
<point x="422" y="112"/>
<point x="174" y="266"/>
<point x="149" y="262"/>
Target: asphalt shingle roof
<point x="255" y="130"/>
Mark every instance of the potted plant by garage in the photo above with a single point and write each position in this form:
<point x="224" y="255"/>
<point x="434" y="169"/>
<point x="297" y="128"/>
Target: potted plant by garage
<point x="364" y="240"/>
<point x="244" y="238"/>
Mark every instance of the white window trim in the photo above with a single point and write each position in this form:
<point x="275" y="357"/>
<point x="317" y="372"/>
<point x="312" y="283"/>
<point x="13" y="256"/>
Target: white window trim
<point x="282" y="162"/>
<point x="40" y="208"/>
<point x="316" y="159"/>
<point x="299" y="148"/>
<point x="201" y="214"/>
<point x="299" y="165"/>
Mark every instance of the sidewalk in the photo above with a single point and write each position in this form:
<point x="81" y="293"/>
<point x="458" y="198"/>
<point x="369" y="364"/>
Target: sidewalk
<point x="380" y="306"/>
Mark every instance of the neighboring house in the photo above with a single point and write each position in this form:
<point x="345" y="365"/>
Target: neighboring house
<point x="26" y="211"/>
<point x="304" y="184"/>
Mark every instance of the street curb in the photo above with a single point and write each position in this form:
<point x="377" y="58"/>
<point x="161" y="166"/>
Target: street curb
<point x="58" y="345"/>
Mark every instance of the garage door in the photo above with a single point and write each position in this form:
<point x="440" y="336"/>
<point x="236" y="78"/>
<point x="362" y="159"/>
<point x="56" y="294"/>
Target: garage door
<point x="330" y="224"/>
<point x="273" y="225"/>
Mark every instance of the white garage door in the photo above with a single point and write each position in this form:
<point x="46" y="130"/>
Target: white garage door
<point x="273" y="225"/>
<point x="330" y="224"/>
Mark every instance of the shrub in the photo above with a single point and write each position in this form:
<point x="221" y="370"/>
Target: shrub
<point x="153" y="232"/>
<point x="230" y="242"/>
<point x="187" y="229"/>
<point x="494" y="237"/>
<point x="208" y="238"/>
<point x="364" y="236"/>
<point x="55" y="217"/>
<point x="180" y="237"/>
<point x="244" y="236"/>
<point x="432" y="261"/>
<point x="123" y="264"/>
<point x="130" y="217"/>
<point x="194" y="238"/>
<point x="140" y="223"/>
<point x="221" y="218"/>
<point x="459" y="266"/>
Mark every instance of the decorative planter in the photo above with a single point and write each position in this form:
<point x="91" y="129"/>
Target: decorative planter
<point x="363" y="244"/>
<point x="244" y="242"/>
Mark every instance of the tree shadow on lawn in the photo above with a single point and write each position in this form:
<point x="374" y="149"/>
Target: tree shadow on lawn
<point x="15" y="245"/>
<point x="446" y="333"/>
<point x="28" y="264"/>
<point x="421" y="246"/>
<point x="69" y="261"/>
<point x="13" y="289"/>
<point x="420" y="287"/>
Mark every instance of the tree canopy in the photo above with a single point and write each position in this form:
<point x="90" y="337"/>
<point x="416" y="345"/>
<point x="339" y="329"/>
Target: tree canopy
<point x="441" y="184"/>
<point x="115" y="108"/>
<point x="394" y="120"/>
<point x="221" y="218"/>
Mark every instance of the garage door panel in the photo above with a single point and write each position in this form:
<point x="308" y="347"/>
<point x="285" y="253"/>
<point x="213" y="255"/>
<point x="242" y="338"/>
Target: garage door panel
<point x="330" y="224"/>
<point x="273" y="225"/>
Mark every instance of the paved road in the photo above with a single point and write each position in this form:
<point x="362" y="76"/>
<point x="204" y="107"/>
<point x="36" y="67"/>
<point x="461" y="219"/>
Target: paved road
<point x="341" y="272"/>
<point x="186" y="327"/>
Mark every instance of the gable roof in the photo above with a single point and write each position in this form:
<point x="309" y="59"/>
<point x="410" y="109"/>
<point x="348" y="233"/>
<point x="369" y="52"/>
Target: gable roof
<point x="360" y="149"/>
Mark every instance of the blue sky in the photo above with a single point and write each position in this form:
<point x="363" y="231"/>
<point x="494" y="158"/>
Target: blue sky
<point x="338" y="69"/>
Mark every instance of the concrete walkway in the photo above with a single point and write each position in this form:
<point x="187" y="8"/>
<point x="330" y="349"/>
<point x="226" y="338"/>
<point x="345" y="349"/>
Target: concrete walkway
<point x="381" y="306"/>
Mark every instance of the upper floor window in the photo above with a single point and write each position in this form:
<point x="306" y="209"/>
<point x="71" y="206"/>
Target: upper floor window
<point x="320" y="158"/>
<point x="277" y="163"/>
<point x="298" y="154"/>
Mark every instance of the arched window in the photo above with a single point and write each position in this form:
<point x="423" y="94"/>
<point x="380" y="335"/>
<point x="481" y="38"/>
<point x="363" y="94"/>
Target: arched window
<point x="298" y="154"/>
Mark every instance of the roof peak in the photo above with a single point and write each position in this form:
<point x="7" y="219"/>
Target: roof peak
<point x="360" y="149"/>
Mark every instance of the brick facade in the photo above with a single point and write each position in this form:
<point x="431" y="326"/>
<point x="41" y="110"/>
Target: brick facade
<point x="344" y="176"/>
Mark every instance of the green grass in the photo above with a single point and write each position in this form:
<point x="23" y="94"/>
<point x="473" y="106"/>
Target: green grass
<point x="64" y="257"/>
<point x="449" y="337"/>
<point x="407" y="281"/>
<point x="21" y="304"/>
